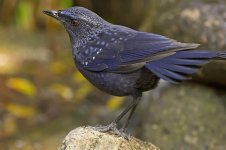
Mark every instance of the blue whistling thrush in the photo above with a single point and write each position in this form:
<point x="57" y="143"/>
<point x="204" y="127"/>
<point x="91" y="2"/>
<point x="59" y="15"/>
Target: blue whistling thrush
<point x="122" y="61"/>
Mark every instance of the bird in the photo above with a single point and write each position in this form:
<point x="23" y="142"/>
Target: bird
<point x="122" y="61"/>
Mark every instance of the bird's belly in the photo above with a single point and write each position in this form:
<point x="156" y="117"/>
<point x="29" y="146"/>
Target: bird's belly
<point x="118" y="84"/>
<point x="112" y="83"/>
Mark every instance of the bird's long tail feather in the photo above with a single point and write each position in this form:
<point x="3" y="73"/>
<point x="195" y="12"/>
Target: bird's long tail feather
<point x="223" y="55"/>
<point x="181" y="65"/>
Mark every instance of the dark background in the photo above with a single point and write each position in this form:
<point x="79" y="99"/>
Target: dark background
<point x="43" y="96"/>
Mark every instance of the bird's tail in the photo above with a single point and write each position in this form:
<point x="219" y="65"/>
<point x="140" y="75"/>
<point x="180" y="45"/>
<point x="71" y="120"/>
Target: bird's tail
<point x="223" y="55"/>
<point x="182" y="64"/>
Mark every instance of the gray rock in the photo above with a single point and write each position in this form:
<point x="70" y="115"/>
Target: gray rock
<point x="187" y="116"/>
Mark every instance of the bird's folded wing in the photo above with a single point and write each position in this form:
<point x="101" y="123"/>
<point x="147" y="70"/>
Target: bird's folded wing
<point x="128" y="50"/>
<point x="147" y="47"/>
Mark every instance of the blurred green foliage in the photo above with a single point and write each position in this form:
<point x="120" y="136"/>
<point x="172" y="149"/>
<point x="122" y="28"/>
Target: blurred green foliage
<point x="26" y="14"/>
<point x="23" y="14"/>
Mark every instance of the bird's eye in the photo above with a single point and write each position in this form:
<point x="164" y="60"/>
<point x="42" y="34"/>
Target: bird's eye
<point x="74" y="23"/>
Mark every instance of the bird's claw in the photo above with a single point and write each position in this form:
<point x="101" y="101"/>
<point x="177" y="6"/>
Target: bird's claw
<point x="112" y="128"/>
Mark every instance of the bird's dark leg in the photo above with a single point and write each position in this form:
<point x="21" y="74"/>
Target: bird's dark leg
<point x="136" y="100"/>
<point x="132" y="106"/>
<point x="113" y="126"/>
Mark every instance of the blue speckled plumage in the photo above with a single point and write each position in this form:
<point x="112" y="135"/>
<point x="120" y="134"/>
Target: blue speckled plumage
<point x="122" y="61"/>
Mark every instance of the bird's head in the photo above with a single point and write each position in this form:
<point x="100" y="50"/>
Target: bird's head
<point x="80" y="23"/>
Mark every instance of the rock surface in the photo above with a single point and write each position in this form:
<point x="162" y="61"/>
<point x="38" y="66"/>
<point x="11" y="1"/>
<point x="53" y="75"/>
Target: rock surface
<point x="85" y="138"/>
<point x="186" y="116"/>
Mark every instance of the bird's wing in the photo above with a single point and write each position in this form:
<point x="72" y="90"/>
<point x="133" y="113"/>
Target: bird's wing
<point x="123" y="50"/>
<point x="145" y="47"/>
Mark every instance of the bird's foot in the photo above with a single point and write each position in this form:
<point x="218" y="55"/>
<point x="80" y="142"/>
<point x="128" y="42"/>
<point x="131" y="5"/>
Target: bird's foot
<point x="111" y="128"/>
<point x="123" y="130"/>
